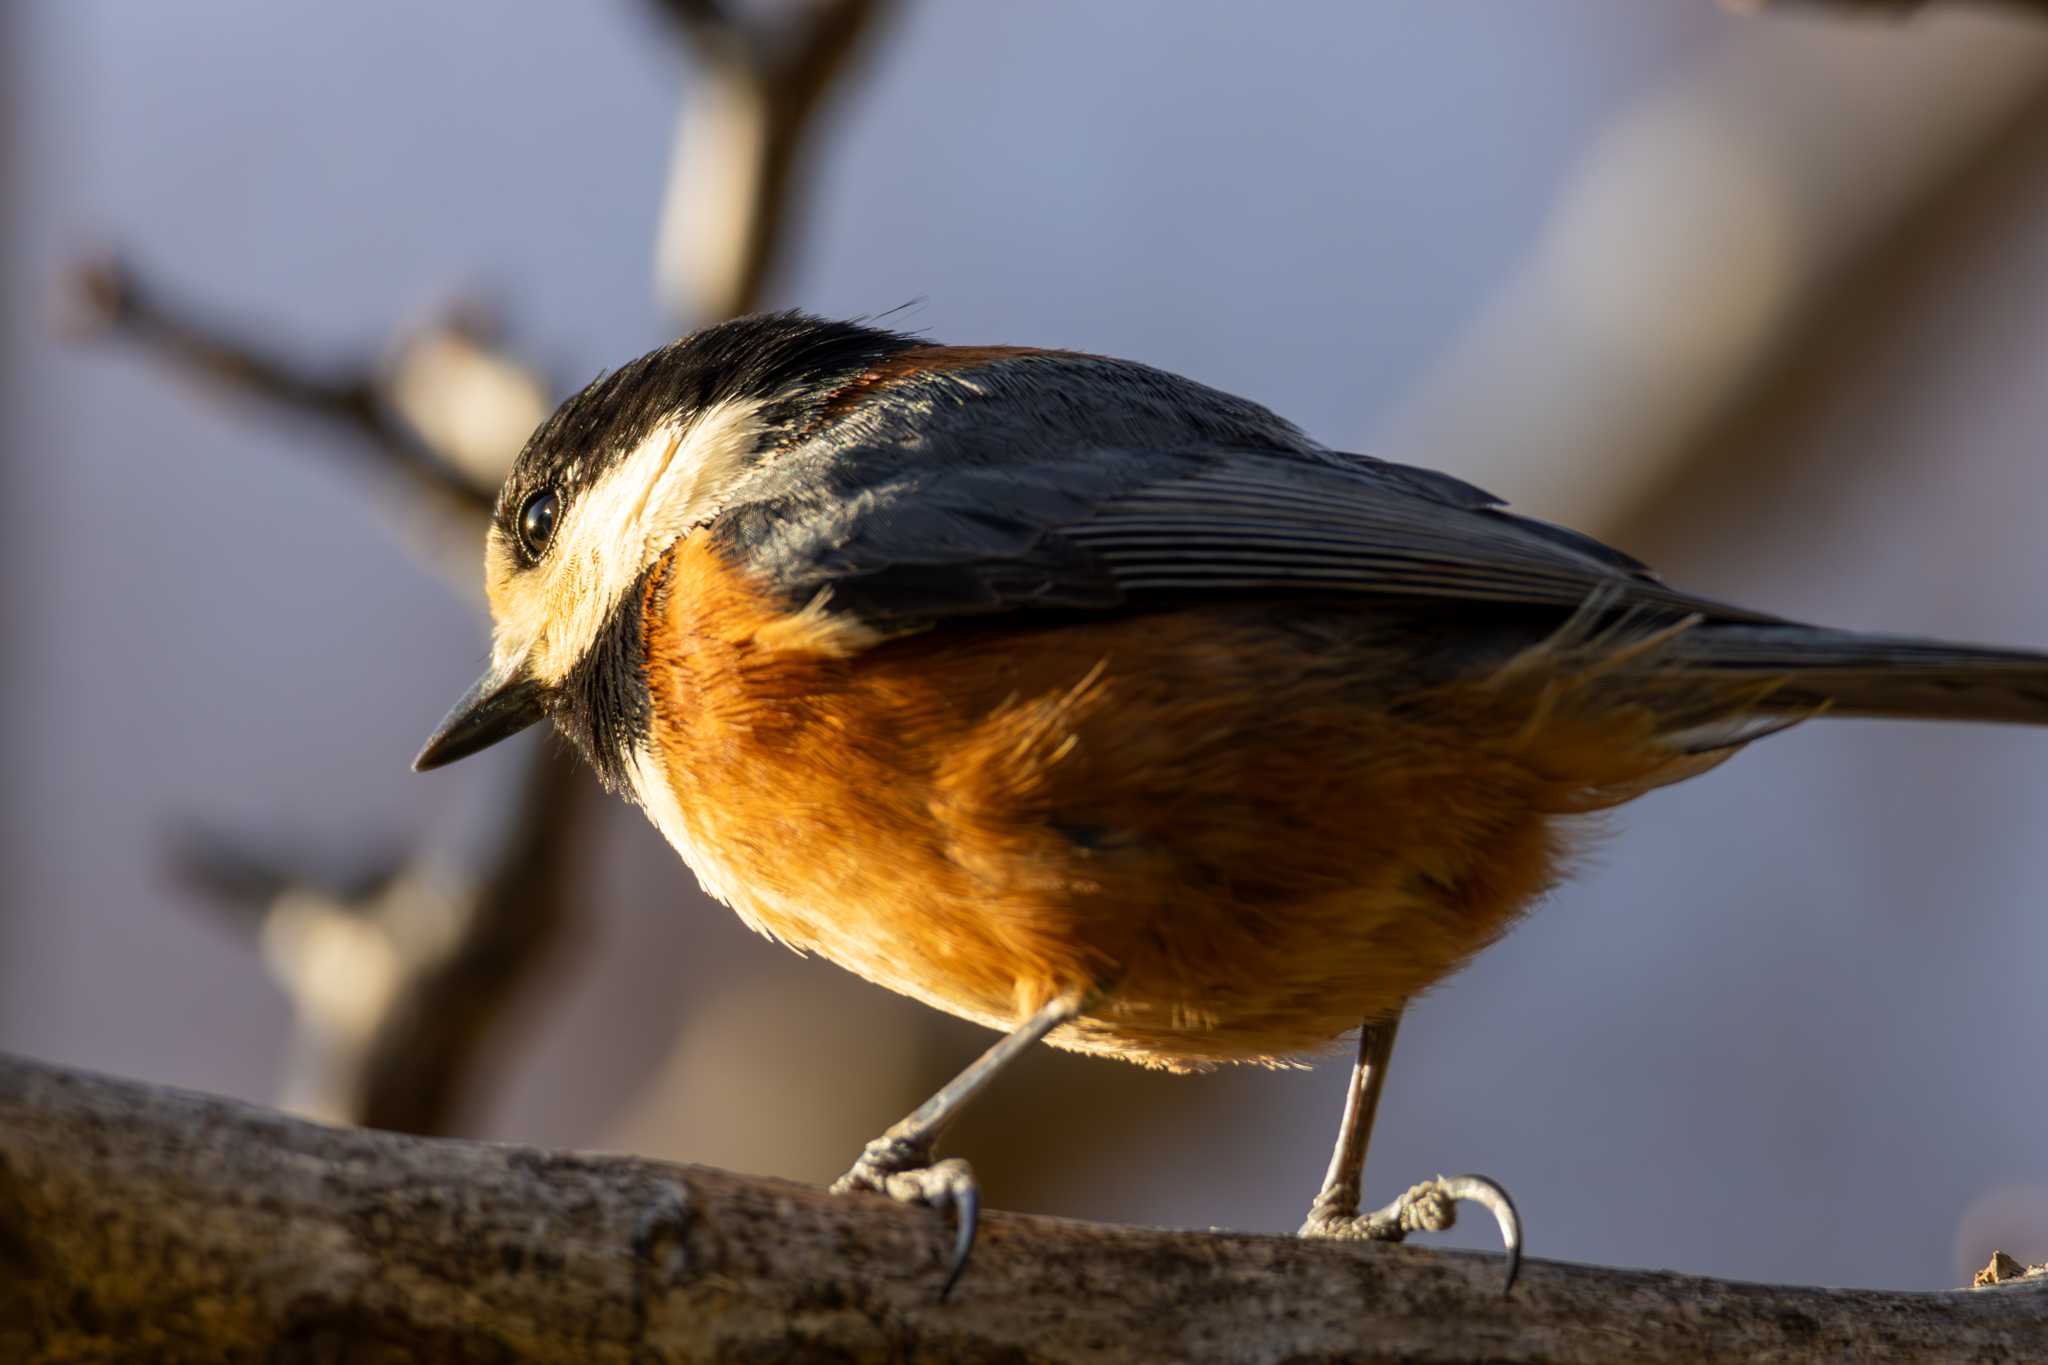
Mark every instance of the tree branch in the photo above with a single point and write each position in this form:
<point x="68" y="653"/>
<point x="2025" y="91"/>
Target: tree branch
<point x="106" y="295"/>
<point x="398" y="987"/>
<point x="396" y="984"/>
<point x="395" y="981"/>
<point x="137" y="1221"/>
<point x="1886" y="9"/>
<point x="733" y="185"/>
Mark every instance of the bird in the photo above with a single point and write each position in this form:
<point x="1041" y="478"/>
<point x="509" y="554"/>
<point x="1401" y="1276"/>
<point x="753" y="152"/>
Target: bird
<point x="1106" y="709"/>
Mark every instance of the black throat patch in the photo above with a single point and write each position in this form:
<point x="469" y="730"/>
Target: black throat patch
<point x="604" y="705"/>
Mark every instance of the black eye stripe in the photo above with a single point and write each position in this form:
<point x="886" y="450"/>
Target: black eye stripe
<point x="536" y="523"/>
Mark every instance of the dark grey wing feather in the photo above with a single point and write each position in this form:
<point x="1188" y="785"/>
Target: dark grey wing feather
<point x="904" y="541"/>
<point x="1260" y="523"/>
<point x="1099" y="530"/>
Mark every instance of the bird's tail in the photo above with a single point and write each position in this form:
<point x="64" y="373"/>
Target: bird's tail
<point x="1619" y="703"/>
<point x="1812" y="670"/>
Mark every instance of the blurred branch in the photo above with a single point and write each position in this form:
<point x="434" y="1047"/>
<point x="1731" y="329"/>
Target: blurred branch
<point x="106" y="295"/>
<point x="1686" y="251"/>
<point x="137" y="1220"/>
<point x="411" y="1072"/>
<point x="740" y="138"/>
<point x="396" y="975"/>
<point x="1712" y="481"/>
<point x="1886" y="9"/>
<point x="396" y="983"/>
<point x="242" y="879"/>
<point x="438" y="492"/>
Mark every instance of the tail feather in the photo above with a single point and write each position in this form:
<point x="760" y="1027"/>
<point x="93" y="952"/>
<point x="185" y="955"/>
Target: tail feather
<point x="1844" y="673"/>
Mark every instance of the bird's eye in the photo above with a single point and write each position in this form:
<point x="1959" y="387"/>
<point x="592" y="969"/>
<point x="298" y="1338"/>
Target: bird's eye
<point x="537" y="521"/>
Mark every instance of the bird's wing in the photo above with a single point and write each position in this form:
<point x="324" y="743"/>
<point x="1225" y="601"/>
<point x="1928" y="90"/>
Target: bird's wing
<point x="1107" y="530"/>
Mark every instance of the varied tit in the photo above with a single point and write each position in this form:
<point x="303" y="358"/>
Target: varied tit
<point x="1101" y="707"/>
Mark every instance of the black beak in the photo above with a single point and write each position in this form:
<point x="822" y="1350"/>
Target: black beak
<point x="492" y="710"/>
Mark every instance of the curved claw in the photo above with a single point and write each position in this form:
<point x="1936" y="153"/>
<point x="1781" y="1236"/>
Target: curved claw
<point x="966" y="1216"/>
<point x="1495" y="1200"/>
<point x="1429" y="1207"/>
<point x="906" y="1173"/>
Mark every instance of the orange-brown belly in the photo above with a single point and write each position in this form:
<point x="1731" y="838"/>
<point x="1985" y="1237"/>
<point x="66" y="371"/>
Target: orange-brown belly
<point x="1246" y="834"/>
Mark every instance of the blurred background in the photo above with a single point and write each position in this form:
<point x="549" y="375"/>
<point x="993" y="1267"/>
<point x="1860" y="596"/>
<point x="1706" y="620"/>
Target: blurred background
<point x="1762" y="298"/>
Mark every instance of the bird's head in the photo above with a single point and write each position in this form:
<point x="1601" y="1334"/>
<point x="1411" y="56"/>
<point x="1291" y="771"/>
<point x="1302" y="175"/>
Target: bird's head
<point x="601" y="493"/>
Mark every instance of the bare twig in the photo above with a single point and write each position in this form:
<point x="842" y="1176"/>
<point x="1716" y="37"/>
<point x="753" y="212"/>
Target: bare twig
<point x="396" y="984"/>
<point x="740" y="139"/>
<point x="243" y="878"/>
<point x="436" y="496"/>
<point x="416" y="1066"/>
<point x="1884" y="9"/>
<point x="137" y="1222"/>
<point x="107" y="295"/>
<point x="395" y="979"/>
<point x="1742" y="448"/>
<point x="397" y="989"/>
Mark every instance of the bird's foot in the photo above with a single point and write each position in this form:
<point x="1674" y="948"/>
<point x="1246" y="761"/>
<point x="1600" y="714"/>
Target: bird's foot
<point x="904" y="1170"/>
<point x="1431" y="1206"/>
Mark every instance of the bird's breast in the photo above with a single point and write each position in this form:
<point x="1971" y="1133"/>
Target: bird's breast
<point x="1245" y="833"/>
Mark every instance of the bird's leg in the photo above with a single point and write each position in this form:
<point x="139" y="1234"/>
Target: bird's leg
<point x="1428" y="1207"/>
<point x="1336" y="1205"/>
<point x="899" y="1163"/>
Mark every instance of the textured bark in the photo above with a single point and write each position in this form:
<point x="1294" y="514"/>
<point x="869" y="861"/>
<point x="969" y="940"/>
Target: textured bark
<point x="138" y="1223"/>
